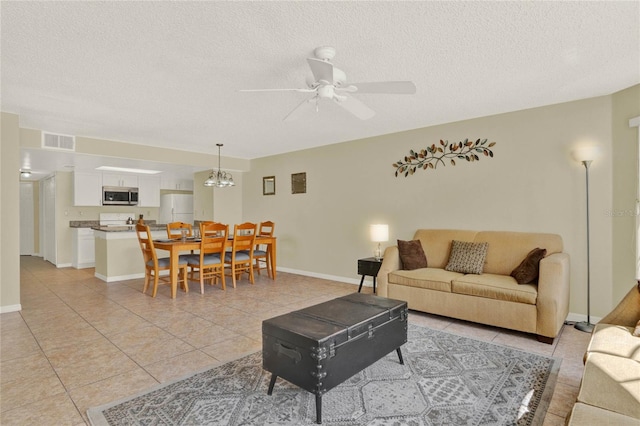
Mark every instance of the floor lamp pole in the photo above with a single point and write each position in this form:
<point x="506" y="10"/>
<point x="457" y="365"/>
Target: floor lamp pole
<point x="586" y="326"/>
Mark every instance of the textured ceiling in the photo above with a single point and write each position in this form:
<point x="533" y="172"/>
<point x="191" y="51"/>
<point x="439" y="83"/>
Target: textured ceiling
<point x="168" y="73"/>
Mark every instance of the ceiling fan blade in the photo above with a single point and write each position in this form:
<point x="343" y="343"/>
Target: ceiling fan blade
<point x="390" y="87"/>
<point x="306" y="105"/>
<point x="278" y="90"/>
<point x="322" y="70"/>
<point x="355" y="107"/>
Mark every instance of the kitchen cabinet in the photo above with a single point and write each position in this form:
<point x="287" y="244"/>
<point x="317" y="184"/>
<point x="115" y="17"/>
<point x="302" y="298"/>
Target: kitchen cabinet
<point x="124" y="180"/>
<point x="148" y="191"/>
<point x="83" y="246"/>
<point x="87" y="189"/>
<point x="174" y="183"/>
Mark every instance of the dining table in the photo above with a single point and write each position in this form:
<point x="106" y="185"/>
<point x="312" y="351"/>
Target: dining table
<point x="175" y="246"/>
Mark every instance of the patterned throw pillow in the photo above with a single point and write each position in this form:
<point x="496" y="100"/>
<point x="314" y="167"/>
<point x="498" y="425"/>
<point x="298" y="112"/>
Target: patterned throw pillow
<point x="528" y="270"/>
<point x="412" y="255"/>
<point x="466" y="257"/>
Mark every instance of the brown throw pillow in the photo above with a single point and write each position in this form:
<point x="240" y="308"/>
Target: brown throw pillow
<point x="527" y="271"/>
<point x="467" y="257"/>
<point x="412" y="255"/>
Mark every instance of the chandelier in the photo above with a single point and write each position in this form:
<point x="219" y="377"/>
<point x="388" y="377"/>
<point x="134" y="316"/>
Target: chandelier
<point x="220" y="179"/>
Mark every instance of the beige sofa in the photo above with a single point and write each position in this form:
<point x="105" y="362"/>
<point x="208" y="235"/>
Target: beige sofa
<point x="493" y="297"/>
<point x="610" y="389"/>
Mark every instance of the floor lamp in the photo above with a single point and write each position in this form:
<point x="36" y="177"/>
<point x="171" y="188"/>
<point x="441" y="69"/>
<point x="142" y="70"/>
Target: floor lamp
<point x="586" y="155"/>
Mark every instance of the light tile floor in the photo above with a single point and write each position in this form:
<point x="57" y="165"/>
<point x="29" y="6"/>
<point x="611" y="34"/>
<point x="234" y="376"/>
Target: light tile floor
<point x="80" y="342"/>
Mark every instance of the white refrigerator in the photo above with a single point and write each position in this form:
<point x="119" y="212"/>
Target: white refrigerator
<point x="176" y="208"/>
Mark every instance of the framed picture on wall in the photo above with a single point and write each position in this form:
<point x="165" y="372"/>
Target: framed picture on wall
<point x="299" y="183"/>
<point x="269" y="185"/>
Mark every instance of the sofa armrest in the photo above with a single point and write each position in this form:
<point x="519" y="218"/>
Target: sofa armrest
<point x="627" y="312"/>
<point x="390" y="263"/>
<point x="553" y="294"/>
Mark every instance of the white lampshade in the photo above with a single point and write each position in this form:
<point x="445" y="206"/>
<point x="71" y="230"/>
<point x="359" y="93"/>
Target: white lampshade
<point x="586" y="152"/>
<point x="379" y="233"/>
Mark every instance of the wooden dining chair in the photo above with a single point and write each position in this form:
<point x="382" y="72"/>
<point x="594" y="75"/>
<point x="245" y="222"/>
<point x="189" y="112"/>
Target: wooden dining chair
<point x="261" y="253"/>
<point x="153" y="265"/>
<point x="240" y="258"/>
<point x="210" y="261"/>
<point x="174" y="230"/>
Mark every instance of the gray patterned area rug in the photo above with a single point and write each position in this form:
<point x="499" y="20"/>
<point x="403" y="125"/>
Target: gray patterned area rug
<point x="446" y="380"/>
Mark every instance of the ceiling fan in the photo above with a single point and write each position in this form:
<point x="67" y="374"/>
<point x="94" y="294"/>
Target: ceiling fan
<point x="329" y="83"/>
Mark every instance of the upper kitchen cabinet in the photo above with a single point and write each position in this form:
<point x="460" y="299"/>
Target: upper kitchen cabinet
<point x="173" y="183"/>
<point x="124" y="180"/>
<point x="148" y="191"/>
<point x="87" y="189"/>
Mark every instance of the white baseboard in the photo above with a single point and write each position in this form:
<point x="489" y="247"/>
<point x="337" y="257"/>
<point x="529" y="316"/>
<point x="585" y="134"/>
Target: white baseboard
<point x="125" y="277"/>
<point x="581" y="317"/>
<point x="119" y="277"/>
<point x="10" y="308"/>
<point x="63" y="265"/>
<point x="323" y="276"/>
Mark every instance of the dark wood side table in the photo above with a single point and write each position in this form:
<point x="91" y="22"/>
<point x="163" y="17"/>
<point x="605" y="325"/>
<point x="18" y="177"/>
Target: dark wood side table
<point x="368" y="266"/>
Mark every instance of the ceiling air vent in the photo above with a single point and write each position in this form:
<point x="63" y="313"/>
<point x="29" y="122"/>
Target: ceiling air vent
<point x="61" y="142"/>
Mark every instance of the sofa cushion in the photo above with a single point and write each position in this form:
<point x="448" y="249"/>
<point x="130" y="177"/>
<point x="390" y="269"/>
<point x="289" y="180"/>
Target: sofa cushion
<point x="611" y="382"/>
<point x="583" y="414"/>
<point x="499" y="287"/>
<point x="615" y="340"/>
<point x="412" y="255"/>
<point x="528" y="270"/>
<point x="429" y="278"/>
<point x="467" y="257"/>
<point x="636" y="330"/>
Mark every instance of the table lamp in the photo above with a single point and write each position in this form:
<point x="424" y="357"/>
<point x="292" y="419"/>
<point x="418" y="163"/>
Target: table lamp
<point x="379" y="233"/>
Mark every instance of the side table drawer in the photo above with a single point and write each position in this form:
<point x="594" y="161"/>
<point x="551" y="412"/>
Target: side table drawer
<point x="368" y="267"/>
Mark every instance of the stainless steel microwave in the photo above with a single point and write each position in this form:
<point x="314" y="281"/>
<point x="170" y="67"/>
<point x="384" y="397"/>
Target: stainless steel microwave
<point x="119" y="196"/>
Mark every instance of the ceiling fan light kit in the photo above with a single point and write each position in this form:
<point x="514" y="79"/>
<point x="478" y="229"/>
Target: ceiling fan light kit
<point x="329" y="83"/>
<point x="219" y="179"/>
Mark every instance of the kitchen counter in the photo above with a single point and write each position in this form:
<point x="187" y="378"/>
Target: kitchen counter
<point x="83" y="223"/>
<point x="128" y="228"/>
<point x="95" y="225"/>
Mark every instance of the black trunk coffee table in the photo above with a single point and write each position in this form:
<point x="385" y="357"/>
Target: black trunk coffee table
<point x="321" y="346"/>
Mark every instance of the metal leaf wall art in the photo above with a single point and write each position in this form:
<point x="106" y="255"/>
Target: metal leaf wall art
<point x="431" y="156"/>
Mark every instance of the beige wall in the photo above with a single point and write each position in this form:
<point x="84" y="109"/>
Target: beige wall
<point x="219" y="204"/>
<point x="626" y="105"/>
<point x="228" y="203"/>
<point x="9" y="213"/>
<point x="532" y="184"/>
<point x="202" y="197"/>
<point x="31" y="138"/>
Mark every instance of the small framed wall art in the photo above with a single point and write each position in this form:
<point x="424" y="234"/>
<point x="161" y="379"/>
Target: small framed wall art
<point x="269" y="185"/>
<point x="299" y="183"/>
